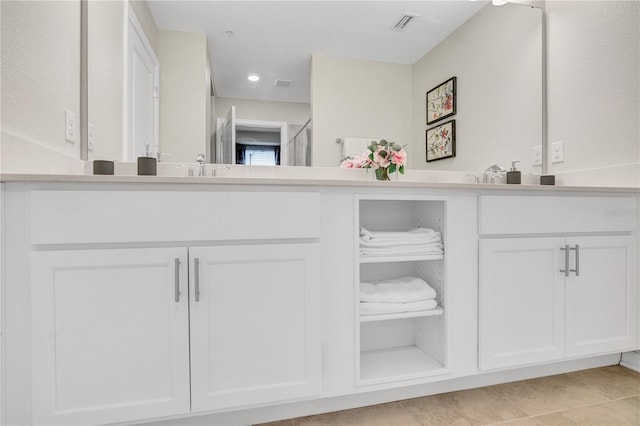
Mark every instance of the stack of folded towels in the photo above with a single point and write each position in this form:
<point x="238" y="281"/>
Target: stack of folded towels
<point x="416" y="242"/>
<point x="405" y="294"/>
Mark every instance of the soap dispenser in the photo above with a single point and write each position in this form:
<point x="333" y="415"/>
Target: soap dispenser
<point x="514" y="176"/>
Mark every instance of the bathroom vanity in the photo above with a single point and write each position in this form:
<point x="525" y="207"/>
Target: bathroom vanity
<point x="235" y="300"/>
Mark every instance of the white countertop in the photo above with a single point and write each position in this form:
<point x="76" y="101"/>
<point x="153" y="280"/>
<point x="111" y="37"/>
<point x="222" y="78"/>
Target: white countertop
<point x="288" y="181"/>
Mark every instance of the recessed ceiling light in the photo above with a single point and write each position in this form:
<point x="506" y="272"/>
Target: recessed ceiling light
<point x="253" y="77"/>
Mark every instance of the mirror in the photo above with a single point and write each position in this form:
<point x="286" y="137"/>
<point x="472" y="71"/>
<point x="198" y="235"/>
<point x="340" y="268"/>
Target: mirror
<point x="495" y="53"/>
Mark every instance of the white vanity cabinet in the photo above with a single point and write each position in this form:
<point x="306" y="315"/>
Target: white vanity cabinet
<point x="184" y="303"/>
<point x="546" y="297"/>
<point x="153" y="303"/>
<point x="255" y="324"/>
<point x="110" y="335"/>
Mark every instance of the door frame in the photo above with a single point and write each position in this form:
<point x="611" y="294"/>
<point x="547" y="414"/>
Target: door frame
<point x="262" y="124"/>
<point x="131" y="22"/>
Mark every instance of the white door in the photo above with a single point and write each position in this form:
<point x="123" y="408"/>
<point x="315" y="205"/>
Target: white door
<point x="521" y="301"/>
<point x="255" y="324"/>
<point x="109" y="335"/>
<point x="228" y="138"/>
<point x="143" y="80"/>
<point x="601" y="310"/>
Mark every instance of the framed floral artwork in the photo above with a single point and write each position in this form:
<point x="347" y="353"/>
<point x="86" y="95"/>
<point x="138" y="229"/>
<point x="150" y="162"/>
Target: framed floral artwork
<point x="441" y="101"/>
<point x="441" y="141"/>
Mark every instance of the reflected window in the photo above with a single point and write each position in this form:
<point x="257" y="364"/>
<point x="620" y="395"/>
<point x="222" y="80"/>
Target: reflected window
<point x="254" y="155"/>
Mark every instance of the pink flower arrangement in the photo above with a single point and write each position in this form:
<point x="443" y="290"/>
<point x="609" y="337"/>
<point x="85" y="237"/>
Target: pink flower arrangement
<point x="383" y="156"/>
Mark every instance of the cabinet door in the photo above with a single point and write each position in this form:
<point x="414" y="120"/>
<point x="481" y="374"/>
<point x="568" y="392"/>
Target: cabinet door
<point x="255" y="324"/>
<point x="110" y="342"/>
<point x="521" y="301"/>
<point x="602" y="311"/>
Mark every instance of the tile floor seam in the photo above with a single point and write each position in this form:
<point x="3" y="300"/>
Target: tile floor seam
<point x="579" y="407"/>
<point x="512" y="420"/>
<point x="509" y="402"/>
<point x="512" y="402"/>
<point x="609" y="398"/>
<point x="576" y="375"/>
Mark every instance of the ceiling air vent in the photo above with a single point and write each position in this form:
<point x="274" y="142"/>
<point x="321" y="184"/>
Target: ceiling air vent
<point x="404" y="20"/>
<point x="282" y="83"/>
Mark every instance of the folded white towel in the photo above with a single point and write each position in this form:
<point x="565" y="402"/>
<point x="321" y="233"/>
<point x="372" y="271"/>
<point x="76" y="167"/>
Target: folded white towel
<point x="434" y="239"/>
<point x="396" y="308"/>
<point x="418" y="233"/>
<point x="400" y="248"/>
<point x="402" y="251"/>
<point x="397" y="290"/>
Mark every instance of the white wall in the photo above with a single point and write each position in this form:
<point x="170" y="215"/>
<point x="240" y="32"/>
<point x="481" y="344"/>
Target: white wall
<point x="356" y="98"/>
<point x="184" y="95"/>
<point x="142" y="12"/>
<point x="251" y="109"/>
<point x="593" y="82"/>
<point x="106" y="77"/>
<point x="40" y="45"/>
<point x="496" y="59"/>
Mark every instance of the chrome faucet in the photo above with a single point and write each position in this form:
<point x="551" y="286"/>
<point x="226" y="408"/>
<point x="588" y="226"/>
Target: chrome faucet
<point x="200" y="158"/>
<point x="489" y="175"/>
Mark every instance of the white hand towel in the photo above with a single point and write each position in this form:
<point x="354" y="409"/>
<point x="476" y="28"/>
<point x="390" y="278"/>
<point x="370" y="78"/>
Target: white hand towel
<point x="398" y="290"/>
<point x="418" y="233"/>
<point x="402" y="251"/>
<point x="396" y="308"/>
<point x="434" y="239"/>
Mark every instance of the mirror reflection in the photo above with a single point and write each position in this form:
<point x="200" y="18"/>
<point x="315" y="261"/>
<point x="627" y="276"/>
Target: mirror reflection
<point x="170" y="79"/>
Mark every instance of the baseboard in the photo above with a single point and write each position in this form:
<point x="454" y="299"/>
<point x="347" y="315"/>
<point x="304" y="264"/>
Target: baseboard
<point x="325" y="405"/>
<point x="631" y="360"/>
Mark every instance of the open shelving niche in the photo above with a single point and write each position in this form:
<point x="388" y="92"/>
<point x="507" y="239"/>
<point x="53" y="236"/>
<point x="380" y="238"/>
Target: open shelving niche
<point x="394" y="347"/>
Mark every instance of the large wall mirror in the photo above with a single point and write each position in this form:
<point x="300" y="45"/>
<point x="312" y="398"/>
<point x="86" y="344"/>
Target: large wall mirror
<point x="164" y="76"/>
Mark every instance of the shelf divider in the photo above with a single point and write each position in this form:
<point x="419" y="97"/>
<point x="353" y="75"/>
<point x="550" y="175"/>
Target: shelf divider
<point x="417" y="314"/>
<point x="382" y="259"/>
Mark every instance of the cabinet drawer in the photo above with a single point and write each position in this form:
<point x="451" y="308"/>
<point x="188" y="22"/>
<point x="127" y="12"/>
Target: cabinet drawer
<point x="68" y="216"/>
<point x="556" y="214"/>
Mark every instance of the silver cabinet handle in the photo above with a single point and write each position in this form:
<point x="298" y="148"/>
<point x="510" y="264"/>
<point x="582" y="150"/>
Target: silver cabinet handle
<point x="577" y="270"/>
<point x="196" y="277"/>
<point x="566" y="260"/>
<point x="177" y="279"/>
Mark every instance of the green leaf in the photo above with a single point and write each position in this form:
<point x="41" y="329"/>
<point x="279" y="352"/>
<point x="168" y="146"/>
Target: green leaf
<point x="392" y="168"/>
<point x="401" y="170"/>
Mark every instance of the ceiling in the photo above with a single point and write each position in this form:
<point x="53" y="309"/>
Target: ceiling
<point x="275" y="39"/>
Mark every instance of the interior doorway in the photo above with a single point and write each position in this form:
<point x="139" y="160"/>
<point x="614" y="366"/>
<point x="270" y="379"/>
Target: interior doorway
<point x="142" y="109"/>
<point x="252" y="142"/>
<point x="258" y="146"/>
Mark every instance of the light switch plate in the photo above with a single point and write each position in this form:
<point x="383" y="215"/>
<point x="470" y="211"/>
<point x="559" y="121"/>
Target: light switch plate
<point x="557" y="152"/>
<point x="536" y="159"/>
<point x="91" y="137"/>
<point x="70" y="126"/>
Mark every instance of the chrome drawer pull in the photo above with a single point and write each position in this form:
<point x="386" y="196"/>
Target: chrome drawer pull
<point x="196" y="277"/>
<point x="177" y="279"/>
<point x="566" y="260"/>
<point x="577" y="270"/>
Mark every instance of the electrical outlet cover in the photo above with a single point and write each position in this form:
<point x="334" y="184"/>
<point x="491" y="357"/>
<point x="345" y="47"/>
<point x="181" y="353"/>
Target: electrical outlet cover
<point x="70" y="126"/>
<point x="557" y="152"/>
<point x="536" y="159"/>
<point x="91" y="137"/>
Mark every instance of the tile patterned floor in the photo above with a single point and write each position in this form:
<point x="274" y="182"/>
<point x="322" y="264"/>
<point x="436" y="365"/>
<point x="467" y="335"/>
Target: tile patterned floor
<point x="608" y="396"/>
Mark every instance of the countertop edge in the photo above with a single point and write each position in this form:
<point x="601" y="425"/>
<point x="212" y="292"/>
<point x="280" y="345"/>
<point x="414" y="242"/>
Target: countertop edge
<point x="41" y="178"/>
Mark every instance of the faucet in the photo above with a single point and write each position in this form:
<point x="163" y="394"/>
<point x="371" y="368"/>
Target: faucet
<point x="200" y="158"/>
<point x="489" y="175"/>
